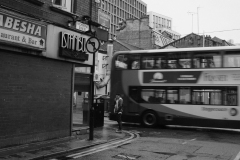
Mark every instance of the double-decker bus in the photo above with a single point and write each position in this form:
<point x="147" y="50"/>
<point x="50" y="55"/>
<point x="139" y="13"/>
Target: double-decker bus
<point x="186" y="86"/>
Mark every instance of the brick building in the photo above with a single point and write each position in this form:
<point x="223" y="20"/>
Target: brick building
<point x="195" y="40"/>
<point x="41" y="47"/>
<point x="137" y="32"/>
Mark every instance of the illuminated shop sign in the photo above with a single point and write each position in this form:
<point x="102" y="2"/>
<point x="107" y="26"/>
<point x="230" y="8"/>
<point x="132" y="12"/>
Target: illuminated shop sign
<point x="21" y="31"/>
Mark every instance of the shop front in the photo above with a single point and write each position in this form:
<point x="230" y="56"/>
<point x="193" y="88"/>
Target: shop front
<point x="37" y="84"/>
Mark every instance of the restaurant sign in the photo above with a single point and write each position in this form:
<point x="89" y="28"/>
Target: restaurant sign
<point x="21" y="31"/>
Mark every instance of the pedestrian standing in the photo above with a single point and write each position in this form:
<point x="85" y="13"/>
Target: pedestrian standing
<point x="118" y="109"/>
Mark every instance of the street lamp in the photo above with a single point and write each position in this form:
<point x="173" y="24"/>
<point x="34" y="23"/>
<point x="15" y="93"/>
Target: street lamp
<point x="94" y="44"/>
<point x="192" y="13"/>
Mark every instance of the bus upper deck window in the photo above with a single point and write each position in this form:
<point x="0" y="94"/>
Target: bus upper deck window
<point x="135" y="65"/>
<point x="232" y="59"/>
<point x="121" y="62"/>
<point x="147" y="62"/>
<point x="134" y="62"/>
<point x="207" y="60"/>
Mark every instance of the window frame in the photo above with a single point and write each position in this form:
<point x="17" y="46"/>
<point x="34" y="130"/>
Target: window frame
<point x="64" y="8"/>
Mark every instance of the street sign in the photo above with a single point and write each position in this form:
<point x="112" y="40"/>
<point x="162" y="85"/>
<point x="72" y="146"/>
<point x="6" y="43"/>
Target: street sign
<point x="92" y="45"/>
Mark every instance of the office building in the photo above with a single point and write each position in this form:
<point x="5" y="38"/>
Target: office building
<point x="119" y="10"/>
<point x="162" y="24"/>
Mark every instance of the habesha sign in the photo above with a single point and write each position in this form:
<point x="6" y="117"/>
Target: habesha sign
<point x="17" y="30"/>
<point x="75" y="46"/>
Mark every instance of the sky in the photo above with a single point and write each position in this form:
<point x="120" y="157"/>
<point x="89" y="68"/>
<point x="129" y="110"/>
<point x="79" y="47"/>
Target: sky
<point x="220" y="18"/>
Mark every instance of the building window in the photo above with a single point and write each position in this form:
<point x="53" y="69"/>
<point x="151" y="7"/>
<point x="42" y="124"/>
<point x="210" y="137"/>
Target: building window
<point x="63" y="4"/>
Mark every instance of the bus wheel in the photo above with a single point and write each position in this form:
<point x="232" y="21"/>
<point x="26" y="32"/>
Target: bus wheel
<point x="149" y="119"/>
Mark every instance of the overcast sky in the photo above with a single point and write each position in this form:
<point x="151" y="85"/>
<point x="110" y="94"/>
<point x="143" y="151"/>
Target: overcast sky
<point x="220" y="18"/>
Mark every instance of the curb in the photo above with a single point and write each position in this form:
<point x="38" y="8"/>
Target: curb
<point x="19" y="147"/>
<point x="65" y="150"/>
<point x="72" y="150"/>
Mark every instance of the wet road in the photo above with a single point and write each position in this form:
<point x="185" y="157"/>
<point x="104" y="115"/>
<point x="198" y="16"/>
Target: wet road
<point x="172" y="143"/>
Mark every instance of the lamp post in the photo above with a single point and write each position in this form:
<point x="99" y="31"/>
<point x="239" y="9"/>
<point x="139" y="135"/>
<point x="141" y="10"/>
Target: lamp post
<point x="93" y="45"/>
<point x="91" y="121"/>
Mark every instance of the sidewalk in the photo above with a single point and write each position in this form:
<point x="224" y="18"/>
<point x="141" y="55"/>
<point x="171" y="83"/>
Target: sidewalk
<point x="50" y="148"/>
<point x="79" y="140"/>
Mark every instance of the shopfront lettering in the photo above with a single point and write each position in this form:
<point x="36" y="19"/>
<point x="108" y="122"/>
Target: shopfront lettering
<point x="209" y="77"/>
<point x="9" y="36"/>
<point x="73" y="46"/>
<point x="13" y="23"/>
<point x="73" y="42"/>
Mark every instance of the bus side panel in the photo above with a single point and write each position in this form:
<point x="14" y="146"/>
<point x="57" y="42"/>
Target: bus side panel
<point x="126" y="118"/>
<point x="174" y="118"/>
<point x="212" y="123"/>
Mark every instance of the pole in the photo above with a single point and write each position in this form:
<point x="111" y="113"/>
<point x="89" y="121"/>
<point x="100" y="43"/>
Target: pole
<point x="192" y="22"/>
<point x="203" y="39"/>
<point x="192" y="13"/>
<point x="198" y="20"/>
<point x="91" y="121"/>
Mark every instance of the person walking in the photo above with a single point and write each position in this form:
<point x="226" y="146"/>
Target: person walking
<point x="118" y="109"/>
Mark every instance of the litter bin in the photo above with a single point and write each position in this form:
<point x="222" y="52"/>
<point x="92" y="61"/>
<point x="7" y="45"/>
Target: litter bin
<point x="98" y="112"/>
<point x="106" y="102"/>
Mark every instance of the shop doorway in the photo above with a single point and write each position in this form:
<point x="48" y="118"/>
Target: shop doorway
<point x="81" y="106"/>
<point x="80" y="109"/>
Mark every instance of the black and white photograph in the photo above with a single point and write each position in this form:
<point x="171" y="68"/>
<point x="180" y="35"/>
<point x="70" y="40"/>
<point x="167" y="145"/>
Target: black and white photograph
<point x="119" y="80"/>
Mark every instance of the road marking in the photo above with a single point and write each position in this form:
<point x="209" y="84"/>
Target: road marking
<point x="189" y="141"/>
<point x="105" y="147"/>
<point x="237" y="157"/>
<point x="126" y="157"/>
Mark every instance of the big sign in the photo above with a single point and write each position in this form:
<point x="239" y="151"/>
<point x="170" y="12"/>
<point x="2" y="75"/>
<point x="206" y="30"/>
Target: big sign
<point x="17" y="30"/>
